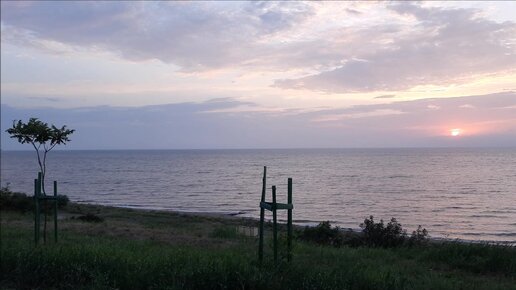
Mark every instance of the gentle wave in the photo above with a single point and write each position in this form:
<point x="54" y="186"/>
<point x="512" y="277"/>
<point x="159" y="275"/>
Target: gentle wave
<point x="454" y="193"/>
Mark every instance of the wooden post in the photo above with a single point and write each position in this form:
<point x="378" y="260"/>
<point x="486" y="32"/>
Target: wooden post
<point x="41" y="207"/>
<point x="36" y="212"/>
<point x="274" y="206"/>
<point x="275" y="224"/>
<point x="55" y="211"/>
<point x="289" y="221"/>
<point x="40" y="188"/>
<point x="262" y="215"/>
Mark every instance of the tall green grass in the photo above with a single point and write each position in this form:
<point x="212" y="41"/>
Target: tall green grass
<point x="476" y="258"/>
<point x="86" y="262"/>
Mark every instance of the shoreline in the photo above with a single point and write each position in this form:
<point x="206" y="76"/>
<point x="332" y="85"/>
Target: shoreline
<point x="237" y="217"/>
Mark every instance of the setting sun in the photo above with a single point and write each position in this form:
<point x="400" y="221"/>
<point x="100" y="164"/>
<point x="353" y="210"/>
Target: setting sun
<point x="455" y="132"/>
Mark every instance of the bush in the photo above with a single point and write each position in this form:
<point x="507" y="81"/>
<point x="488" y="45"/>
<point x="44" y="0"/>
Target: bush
<point x="373" y="235"/>
<point x="323" y="234"/>
<point x="18" y="201"/>
<point x="418" y="237"/>
<point x="379" y="235"/>
<point x="62" y="200"/>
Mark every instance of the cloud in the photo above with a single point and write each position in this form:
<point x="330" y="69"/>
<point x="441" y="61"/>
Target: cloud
<point x="385" y="97"/>
<point x="353" y="11"/>
<point x="47" y="99"/>
<point x="486" y="103"/>
<point x="434" y="46"/>
<point x="210" y="125"/>
<point x="433" y="107"/>
<point x="467" y="106"/>
<point x="419" y="46"/>
<point x="193" y="35"/>
<point x="445" y="46"/>
<point x="356" y="115"/>
<point x="493" y="116"/>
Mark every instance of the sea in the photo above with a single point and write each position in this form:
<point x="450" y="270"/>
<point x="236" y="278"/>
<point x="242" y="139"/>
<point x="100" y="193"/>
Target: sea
<point x="455" y="193"/>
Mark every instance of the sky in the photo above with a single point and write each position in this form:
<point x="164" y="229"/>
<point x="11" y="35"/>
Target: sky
<point x="201" y="75"/>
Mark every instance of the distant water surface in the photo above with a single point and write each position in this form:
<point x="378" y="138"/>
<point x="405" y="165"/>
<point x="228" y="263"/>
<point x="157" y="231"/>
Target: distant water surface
<point x="454" y="193"/>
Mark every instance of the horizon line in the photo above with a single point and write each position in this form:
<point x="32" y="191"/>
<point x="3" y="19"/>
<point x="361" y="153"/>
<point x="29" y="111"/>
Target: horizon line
<point x="272" y="148"/>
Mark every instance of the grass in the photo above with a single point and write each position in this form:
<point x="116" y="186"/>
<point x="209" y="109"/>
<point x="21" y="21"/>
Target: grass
<point x="135" y="249"/>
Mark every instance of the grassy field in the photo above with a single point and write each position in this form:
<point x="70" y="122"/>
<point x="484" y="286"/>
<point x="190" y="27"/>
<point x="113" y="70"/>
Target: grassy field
<point x="134" y="249"/>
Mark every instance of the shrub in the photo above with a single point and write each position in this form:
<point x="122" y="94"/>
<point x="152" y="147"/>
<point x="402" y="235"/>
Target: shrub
<point x="373" y="235"/>
<point x="10" y="200"/>
<point x="379" y="235"/>
<point x="323" y="234"/>
<point x="419" y="236"/>
<point x="18" y="201"/>
<point x="62" y="200"/>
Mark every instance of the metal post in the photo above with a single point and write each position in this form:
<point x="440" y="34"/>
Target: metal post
<point x="275" y="224"/>
<point x="262" y="215"/>
<point x="55" y="211"/>
<point x="289" y="221"/>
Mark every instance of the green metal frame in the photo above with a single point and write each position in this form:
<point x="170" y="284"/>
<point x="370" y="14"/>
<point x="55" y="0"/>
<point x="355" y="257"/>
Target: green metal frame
<point x="274" y="206"/>
<point x="38" y="197"/>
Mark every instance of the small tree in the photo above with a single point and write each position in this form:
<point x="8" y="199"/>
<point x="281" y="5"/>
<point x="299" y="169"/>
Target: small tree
<point x="43" y="138"/>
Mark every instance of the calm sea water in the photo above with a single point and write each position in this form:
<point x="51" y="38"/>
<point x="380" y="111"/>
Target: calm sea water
<point x="454" y="193"/>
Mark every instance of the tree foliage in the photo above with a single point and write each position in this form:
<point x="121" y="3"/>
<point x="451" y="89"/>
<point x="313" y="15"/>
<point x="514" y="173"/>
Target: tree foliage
<point x="38" y="132"/>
